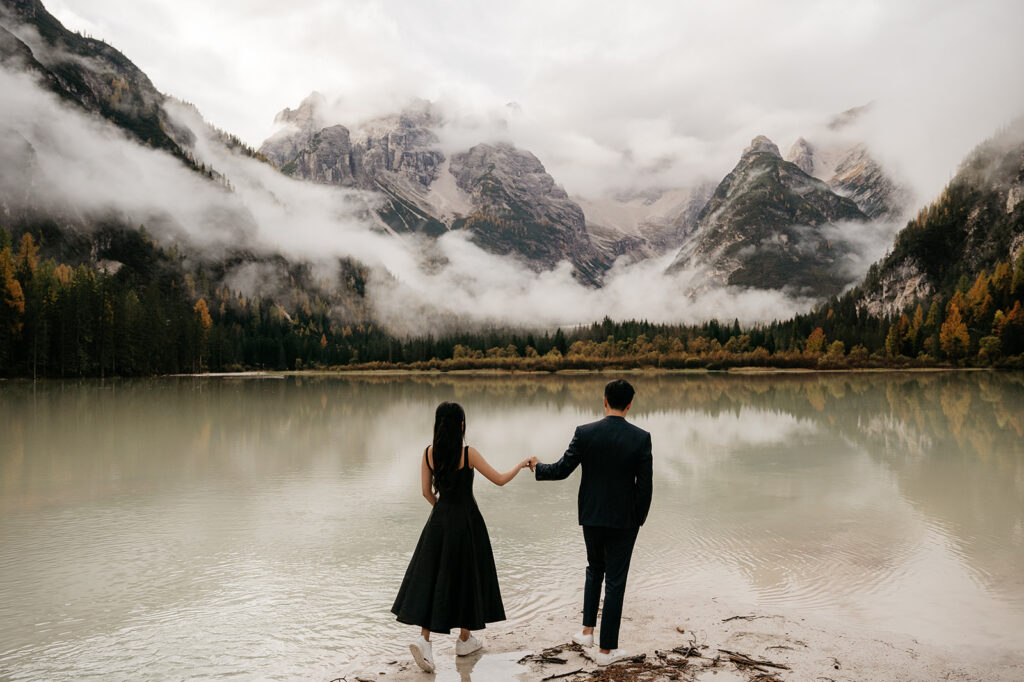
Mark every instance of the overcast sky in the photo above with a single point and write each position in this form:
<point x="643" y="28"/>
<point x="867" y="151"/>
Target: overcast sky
<point x="607" y="92"/>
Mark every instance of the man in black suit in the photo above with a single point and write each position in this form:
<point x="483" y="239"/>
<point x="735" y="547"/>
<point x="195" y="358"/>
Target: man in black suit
<point x="614" y="498"/>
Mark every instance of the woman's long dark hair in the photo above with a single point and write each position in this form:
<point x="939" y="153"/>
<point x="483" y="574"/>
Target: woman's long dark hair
<point x="449" y="430"/>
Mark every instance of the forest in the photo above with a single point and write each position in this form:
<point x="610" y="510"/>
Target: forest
<point x="153" y="314"/>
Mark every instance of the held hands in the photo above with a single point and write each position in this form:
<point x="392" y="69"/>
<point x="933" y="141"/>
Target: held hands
<point x="530" y="462"/>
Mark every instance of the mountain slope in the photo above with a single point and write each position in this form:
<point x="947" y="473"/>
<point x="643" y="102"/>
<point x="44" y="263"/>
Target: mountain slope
<point x="976" y="222"/>
<point x="644" y="224"/>
<point x="764" y="227"/>
<point x="851" y="171"/>
<point x="87" y="72"/>
<point x="520" y="209"/>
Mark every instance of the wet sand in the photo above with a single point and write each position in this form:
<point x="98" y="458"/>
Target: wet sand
<point x="814" y="649"/>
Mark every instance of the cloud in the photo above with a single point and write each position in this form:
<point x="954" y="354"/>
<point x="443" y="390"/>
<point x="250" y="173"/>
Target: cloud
<point x="72" y="163"/>
<point x="609" y="98"/>
<point x="865" y="243"/>
<point x="477" y="287"/>
<point x="663" y="93"/>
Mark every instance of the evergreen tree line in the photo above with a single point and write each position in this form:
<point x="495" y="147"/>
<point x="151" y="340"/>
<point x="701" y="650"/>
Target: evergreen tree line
<point x="58" y="320"/>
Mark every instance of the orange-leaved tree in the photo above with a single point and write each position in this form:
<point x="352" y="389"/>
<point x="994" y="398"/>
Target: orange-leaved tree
<point x="953" y="335"/>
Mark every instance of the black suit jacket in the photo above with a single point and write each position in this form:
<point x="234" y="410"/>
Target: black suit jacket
<point x="615" y="490"/>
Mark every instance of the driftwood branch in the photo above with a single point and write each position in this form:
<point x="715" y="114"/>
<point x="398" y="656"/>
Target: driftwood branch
<point x="743" y="659"/>
<point x="750" y="617"/>
<point x="550" y="655"/>
<point x="537" y="658"/>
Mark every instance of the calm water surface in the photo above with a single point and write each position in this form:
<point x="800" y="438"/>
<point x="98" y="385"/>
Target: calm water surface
<point x="259" y="528"/>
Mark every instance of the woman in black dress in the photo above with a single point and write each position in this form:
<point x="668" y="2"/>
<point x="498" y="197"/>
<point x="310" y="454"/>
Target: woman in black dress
<point x="451" y="581"/>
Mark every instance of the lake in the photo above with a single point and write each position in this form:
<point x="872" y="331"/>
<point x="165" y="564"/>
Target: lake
<point x="260" y="527"/>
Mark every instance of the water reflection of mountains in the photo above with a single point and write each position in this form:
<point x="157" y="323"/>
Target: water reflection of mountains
<point x="920" y="424"/>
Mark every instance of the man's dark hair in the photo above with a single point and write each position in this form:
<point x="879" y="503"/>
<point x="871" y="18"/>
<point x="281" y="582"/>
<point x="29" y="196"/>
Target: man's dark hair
<point x="619" y="393"/>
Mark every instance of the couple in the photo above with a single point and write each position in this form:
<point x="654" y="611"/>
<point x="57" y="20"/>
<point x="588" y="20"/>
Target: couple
<point x="451" y="581"/>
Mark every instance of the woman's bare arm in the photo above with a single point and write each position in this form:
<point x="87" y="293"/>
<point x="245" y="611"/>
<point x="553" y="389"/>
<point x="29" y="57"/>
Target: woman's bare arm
<point x="425" y="482"/>
<point x="477" y="461"/>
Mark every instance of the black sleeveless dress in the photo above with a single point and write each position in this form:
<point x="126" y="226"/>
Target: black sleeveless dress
<point x="451" y="581"/>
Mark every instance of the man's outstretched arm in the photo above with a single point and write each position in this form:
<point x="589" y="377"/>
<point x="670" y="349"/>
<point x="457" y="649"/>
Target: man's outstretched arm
<point x="644" y="482"/>
<point x="563" y="467"/>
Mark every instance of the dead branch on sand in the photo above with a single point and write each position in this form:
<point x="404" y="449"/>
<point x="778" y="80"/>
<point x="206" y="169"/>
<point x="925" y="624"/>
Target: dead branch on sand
<point x="550" y="655"/>
<point x="671" y="664"/>
<point x="555" y="677"/>
<point x="750" y="617"/>
<point x="743" y="659"/>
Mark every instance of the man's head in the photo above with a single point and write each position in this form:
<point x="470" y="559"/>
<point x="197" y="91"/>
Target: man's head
<point x="618" y="395"/>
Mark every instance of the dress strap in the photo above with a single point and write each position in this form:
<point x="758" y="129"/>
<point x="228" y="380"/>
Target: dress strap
<point x="427" y="458"/>
<point x="465" y="456"/>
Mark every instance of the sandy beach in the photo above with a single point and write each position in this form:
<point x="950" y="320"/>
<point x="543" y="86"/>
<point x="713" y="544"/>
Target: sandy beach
<point x="811" y="649"/>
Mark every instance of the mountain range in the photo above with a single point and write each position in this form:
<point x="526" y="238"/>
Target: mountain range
<point x="763" y="234"/>
<point x="772" y="223"/>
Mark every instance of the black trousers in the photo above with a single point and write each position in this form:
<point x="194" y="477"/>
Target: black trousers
<point x="608" y="553"/>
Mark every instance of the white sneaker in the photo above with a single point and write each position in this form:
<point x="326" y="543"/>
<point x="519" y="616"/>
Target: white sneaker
<point x="583" y="640"/>
<point x="469" y="646"/>
<point x="613" y="656"/>
<point x="423" y="652"/>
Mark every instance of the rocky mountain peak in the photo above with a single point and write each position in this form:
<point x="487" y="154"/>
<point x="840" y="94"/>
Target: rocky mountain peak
<point x="858" y="176"/>
<point x="511" y="182"/>
<point x="762" y="144"/>
<point x="802" y="155"/>
<point x="850" y="116"/>
<point x="298" y="126"/>
<point x="310" y="147"/>
<point x="851" y="171"/>
<point x="307" y="115"/>
<point x="520" y="209"/>
<point x="763" y="228"/>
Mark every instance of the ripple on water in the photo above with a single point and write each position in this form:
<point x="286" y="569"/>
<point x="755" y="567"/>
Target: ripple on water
<point x="276" y="552"/>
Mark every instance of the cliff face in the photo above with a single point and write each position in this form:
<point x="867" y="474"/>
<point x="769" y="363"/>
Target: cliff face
<point x="520" y="210"/>
<point x="299" y="125"/>
<point x="762" y="227"/>
<point x="308" y="148"/>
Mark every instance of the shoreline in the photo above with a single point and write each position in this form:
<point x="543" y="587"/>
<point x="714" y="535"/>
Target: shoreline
<point x="805" y="646"/>
<point x="738" y="371"/>
<point x="645" y="371"/>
